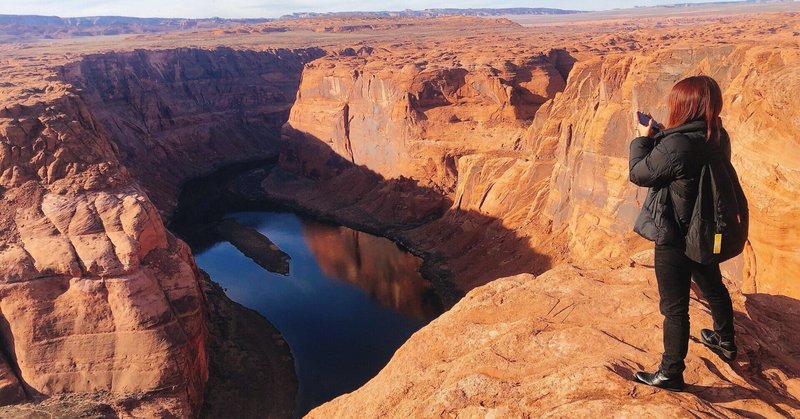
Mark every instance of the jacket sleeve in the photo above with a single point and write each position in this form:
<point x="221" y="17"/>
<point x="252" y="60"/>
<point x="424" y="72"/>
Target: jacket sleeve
<point x="650" y="164"/>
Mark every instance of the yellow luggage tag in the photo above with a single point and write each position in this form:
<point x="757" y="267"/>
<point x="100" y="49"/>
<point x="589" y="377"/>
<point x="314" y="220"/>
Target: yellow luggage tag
<point x="717" y="243"/>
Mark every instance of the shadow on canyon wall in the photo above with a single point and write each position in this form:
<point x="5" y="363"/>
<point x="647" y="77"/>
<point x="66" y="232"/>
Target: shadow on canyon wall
<point x="525" y="102"/>
<point x="176" y="114"/>
<point x="461" y="248"/>
<point x="12" y="394"/>
<point x="173" y="115"/>
<point x="366" y="261"/>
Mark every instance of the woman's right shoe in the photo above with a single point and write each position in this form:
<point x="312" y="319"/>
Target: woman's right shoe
<point x="661" y="380"/>
<point x="713" y="340"/>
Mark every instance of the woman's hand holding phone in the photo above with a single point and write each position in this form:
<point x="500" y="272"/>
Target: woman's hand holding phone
<point x="646" y="126"/>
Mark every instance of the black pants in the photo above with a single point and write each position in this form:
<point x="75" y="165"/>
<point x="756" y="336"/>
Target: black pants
<point x="674" y="272"/>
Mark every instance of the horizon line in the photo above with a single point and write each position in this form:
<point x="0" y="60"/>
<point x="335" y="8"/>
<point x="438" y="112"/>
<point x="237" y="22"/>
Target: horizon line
<point x="345" y="12"/>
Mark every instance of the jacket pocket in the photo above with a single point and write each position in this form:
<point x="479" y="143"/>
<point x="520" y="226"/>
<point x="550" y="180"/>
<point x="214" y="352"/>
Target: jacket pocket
<point x="645" y="224"/>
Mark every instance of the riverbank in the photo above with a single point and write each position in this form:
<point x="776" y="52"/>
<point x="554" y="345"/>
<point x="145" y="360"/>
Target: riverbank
<point x="251" y="368"/>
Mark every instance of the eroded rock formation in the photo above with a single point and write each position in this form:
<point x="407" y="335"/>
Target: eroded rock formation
<point x="406" y="117"/>
<point x="463" y="128"/>
<point x="561" y="188"/>
<point x="96" y="295"/>
<point x="177" y="114"/>
<point x="588" y="129"/>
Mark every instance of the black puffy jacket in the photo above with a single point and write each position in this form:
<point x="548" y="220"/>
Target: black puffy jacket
<point x="669" y="164"/>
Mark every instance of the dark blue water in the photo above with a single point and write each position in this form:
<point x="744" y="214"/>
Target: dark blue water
<point x="350" y="300"/>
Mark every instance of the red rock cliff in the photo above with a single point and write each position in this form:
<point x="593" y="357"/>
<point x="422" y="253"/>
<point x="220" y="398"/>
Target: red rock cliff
<point x="464" y="129"/>
<point x="401" y="116"/>
<point x="497" y="156"/>
<point x="95" y="294"/>
<point x="177" y="114"/>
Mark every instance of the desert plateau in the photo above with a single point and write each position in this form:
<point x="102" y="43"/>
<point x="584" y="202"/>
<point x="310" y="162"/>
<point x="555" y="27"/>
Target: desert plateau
<point x="420" y="214"/>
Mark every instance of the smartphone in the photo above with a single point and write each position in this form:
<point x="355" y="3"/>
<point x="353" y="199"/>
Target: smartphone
<point x="645" y="120"/>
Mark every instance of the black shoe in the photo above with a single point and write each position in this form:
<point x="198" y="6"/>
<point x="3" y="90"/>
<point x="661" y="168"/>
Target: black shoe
<point x="661" y="380"/>
<point x="714" y="341"/>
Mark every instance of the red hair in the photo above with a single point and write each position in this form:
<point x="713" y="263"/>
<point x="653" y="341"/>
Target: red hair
<point x="696" y="98"/>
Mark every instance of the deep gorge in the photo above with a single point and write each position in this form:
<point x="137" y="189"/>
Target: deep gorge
<point x="485" y="170"/>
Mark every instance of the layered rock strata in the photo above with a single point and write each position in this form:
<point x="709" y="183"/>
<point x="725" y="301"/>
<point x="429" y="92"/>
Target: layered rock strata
<point x="96" y="296"/>
<point x="556" y="187"/>
<point x="470" y="146"/>
<point x="559" y="181"/>
<point x="177" y="114"/>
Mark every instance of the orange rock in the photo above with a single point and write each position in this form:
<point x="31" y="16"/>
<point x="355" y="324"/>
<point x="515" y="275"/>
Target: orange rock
<point x="567" y="343"/>
<point x="399" y="117"/>
<point x="95" y="294"/>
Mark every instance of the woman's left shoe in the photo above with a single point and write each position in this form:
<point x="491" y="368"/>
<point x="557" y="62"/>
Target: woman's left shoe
<point x="661" y="380"/>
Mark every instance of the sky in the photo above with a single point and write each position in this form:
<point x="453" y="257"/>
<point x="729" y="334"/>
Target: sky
<point x="276" y="8"/>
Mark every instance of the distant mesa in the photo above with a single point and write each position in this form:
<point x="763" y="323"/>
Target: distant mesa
<point x="439" y="12"/>
<point x="34" y="26"/>
<point x="14" y="28"/>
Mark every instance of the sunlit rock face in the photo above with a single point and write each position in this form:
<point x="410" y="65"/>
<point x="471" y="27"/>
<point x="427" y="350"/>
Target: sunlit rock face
<point x="95" y="294"/>
<point x="494" y="156"/>
<point x="384" y="133"/>
<point x="588" y="128"/>
<point x="561" y="178"/>
<point x="568" y="341"/>
<point x="566" y="344"/>
<point x="401" y="117"/>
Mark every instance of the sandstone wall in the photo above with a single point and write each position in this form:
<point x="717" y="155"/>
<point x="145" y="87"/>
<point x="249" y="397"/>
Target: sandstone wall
<point x="406" y="117"/>
<point x="590" y="127"/>
<point x="529" y="152"/>
<point x="567" y="342"/>
<point x="177" y="114"/>
<point x="95" y="294"/>
<point x="561" y="177"/>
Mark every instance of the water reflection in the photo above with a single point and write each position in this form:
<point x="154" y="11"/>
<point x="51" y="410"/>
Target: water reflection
<point x="349" y="301"/>
<point x="378" y="266"/>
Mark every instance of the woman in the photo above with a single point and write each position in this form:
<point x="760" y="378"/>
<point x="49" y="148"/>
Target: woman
<point x="668" y="160"/>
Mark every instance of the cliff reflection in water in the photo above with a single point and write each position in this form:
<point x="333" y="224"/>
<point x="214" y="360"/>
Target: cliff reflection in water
<point x="388" y="274"/>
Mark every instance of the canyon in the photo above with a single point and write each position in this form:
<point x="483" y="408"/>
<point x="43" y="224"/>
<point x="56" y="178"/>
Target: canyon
<point x="495" y="151"/>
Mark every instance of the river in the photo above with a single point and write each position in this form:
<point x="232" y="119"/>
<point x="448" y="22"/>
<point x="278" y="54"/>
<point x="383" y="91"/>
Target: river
<point x="349" y="301"/>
